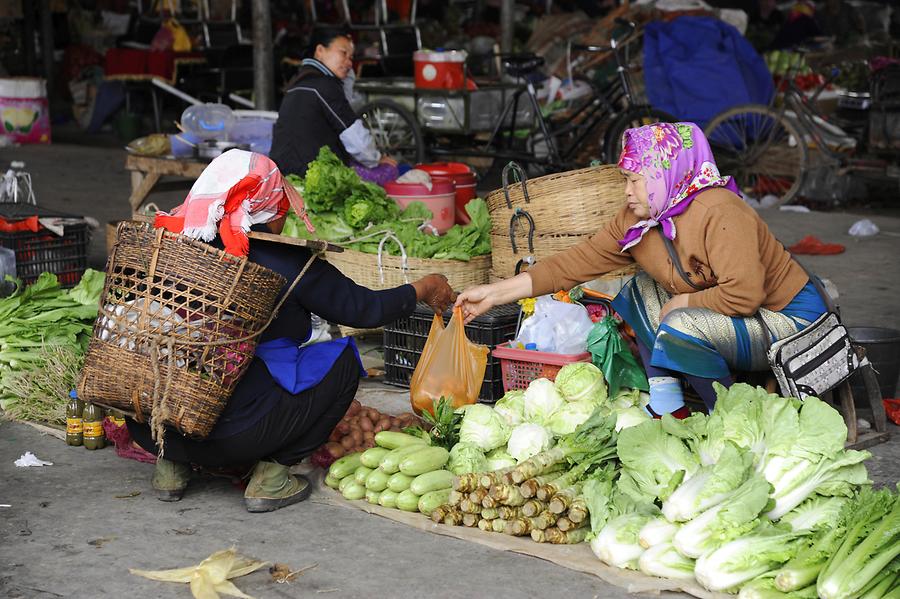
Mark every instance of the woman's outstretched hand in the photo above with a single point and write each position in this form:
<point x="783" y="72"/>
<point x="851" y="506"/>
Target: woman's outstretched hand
<point x="475" y="301"/>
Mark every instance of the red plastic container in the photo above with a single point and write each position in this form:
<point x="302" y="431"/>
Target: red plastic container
<point x="440" y="70"/>
<point x="440" y="200"/>
<point x="464" y="179"/>
<point x="521" y="366"/>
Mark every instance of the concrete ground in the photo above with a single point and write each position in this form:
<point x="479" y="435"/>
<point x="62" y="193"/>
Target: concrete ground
<point x="73" y="529"/>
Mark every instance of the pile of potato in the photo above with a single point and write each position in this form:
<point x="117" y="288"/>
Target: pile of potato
<point x="357" y="429"/>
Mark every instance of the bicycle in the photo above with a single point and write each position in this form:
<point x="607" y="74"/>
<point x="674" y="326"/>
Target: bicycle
<point x="770" y="150"/>
<point x="545" y="143"/>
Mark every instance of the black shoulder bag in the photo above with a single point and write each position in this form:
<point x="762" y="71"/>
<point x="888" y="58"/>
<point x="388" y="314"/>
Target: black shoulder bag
<point x="812" y="361"/>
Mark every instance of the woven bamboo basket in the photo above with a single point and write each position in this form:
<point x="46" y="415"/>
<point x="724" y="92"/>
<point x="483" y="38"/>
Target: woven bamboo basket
<point x="505" y="259"/>
<point x="176" y="329"/>
<point x="577" y="202"/>
<point x="393" y="271"/>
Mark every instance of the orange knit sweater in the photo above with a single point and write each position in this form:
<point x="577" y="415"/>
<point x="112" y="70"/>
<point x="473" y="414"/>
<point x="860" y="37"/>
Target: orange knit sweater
<point x="724" y="247"/>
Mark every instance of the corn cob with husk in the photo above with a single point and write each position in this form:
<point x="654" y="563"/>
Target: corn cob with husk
<point x="478" y="495"/>
<point x="562" y="500"/>
<point x="498" y="525"/>
<point x="467" y="507"/>
<point x="533" y="507"/>
<point x="558" y="537"/>
<point x="529" y="487"/>
<point x="578" y="511"/>
<point x="507" y="495"/>
<point x="470" y="520"/>
<point x="491" y="513"/>
<point x="489" y="502"/>
<point x="440" y="512"/>
<point x="466" y="483"/>
<point x="508" y="512"/>
<point x="565" y="524"/>
<point x="455" y="497"/>
<point x="538" y="535"/>
<point x="518" y="527"/>
<point x="545" y="519"/>
<point x="485" y="524"/>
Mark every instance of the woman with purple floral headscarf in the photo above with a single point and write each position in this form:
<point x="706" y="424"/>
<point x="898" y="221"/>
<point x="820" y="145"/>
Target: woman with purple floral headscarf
<point x="706" y="326"/>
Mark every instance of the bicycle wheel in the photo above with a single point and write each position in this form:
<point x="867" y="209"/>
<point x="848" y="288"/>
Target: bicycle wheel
<point x="761" y="149"/>
<point x="395" y="130"/>
<point x="636" y="116"/>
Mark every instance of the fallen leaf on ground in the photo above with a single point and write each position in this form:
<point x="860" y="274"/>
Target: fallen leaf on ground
<point x="282" y="573"/>
<point x="100" y="542"/>
<point x="210" y="577"/>
<point x="128" y="495"/>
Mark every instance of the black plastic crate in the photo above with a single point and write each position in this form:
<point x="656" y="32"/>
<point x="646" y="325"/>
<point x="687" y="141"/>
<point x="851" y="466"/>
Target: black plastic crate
<point x="405" y="338"/>
<point x="44" y="251"/>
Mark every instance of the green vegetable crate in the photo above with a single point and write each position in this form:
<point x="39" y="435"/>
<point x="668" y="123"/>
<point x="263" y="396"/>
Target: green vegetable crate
<point x="405" y="338"/>
<point x="44" y="251"/>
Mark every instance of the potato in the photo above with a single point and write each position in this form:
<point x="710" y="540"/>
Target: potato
<point x="335" y="435"/>
<point x="335" y="449"/>
<point x="357" y="436"/>
<point x="365" y="424"/>
<point x="348" y="442"/>
<point x="369" y="436"/>
<point x="373" y="414"/>
<point x="343" y="427"/>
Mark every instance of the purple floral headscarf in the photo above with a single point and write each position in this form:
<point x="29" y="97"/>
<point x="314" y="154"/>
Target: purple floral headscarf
<point x="677" y="163"/>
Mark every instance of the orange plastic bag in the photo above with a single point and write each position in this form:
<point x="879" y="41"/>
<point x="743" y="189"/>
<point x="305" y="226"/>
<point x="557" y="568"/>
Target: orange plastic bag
<point x="451" y="366"/>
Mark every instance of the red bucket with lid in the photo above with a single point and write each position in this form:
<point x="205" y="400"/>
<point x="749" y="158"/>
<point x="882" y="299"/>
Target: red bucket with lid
<point x="440" y="200"/>
<point x="462" y="177"/>
<point x="440" y="69"/>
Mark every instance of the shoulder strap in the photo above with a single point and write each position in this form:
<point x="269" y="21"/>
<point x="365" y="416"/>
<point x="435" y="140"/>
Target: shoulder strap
<point x="670" y="247"/>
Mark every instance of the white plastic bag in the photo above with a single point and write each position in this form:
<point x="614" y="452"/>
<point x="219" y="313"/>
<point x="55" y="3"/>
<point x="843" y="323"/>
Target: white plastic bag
<point x="556" y="327"/>
<point x="864" y="228"/>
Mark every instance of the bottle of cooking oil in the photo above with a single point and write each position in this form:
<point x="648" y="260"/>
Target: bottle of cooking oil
<point x="74" y="420"/>
<point x="93" y="427"/>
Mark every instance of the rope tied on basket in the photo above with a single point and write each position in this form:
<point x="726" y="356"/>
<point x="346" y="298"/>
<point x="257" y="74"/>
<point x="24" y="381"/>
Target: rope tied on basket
<point x="160" y="412"/>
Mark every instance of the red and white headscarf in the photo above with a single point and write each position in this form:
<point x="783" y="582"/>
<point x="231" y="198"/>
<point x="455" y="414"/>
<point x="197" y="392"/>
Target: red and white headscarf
<point x="237" y="190"/>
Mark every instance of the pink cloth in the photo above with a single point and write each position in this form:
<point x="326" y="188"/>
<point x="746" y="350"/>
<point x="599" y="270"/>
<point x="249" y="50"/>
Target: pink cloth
<point x="121" y="438"/>
<point x="677" y="163"/>
<point x="236" y="191"/>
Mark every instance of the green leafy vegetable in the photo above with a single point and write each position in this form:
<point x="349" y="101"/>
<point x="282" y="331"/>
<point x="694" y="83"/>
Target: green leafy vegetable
<point x="328" y="182"/>
<point x="44" y="330"/>
<point x="465" y="458"/>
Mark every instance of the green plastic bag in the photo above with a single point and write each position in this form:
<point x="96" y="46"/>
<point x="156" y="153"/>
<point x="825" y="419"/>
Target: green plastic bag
<point x="610" y="354"/>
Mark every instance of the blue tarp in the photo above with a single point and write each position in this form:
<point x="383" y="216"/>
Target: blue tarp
<point x="697" y="67"/>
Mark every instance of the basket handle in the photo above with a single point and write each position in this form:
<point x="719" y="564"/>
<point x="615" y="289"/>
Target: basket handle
<point x="513" y="221"/>
<point x="404" y="266"/>
<point x="520" y="175"/>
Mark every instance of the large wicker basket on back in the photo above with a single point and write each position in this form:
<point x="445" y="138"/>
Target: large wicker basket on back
<point x="534" y="219"/>
<point x="177" y="328"/>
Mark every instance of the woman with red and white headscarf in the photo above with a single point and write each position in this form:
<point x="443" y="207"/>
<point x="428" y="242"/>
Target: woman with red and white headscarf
<point x="699" y="326"/>
<point x="293" y="393"/>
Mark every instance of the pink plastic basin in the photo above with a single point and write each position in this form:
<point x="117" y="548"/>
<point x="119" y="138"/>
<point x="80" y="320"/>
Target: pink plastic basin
<point x="440" y="200"/>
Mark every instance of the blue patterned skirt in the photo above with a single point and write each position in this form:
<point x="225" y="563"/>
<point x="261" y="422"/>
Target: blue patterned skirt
<point x="704" y="343"/>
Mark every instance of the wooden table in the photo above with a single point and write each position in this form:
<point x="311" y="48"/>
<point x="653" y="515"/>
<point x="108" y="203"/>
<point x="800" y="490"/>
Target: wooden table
<point x="147" y="170"/>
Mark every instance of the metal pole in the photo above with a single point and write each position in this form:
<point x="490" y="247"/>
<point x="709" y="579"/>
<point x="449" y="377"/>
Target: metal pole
<point x="28" y="38"/>
<point x="47" y="47"/>
<point x="507" y="12"/>
<point x="263" y="59"/>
